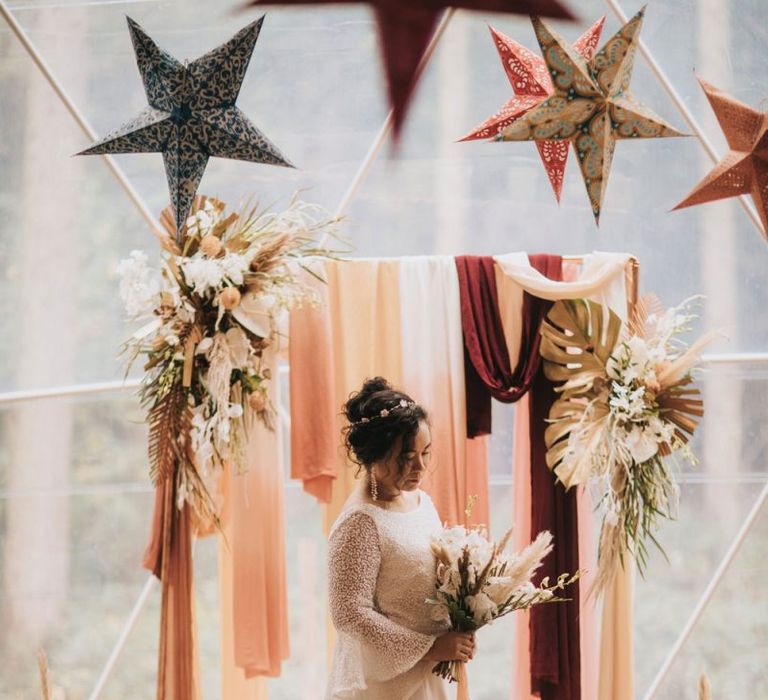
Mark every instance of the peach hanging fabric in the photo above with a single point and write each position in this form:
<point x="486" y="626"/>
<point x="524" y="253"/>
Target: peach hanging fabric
<point x="433" y="373"/>
<point x="364" y="303"/>
<point x="234" y="684"/>
<point x="590" y="659"/>
<point x="616" y="668"/>
<point x="314" y="405"/>
<point x="510" y="299"/>
<point x="252" y="559"/>
<point x="358" y="336"/>
<point x="521" y="483"/>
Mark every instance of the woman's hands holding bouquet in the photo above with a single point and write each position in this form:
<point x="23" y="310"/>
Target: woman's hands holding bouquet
<point x="452" y="646"/>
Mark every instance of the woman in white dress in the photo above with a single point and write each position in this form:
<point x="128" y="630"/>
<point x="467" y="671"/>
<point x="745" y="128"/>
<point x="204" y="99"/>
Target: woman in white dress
<point x="381" y="567"/>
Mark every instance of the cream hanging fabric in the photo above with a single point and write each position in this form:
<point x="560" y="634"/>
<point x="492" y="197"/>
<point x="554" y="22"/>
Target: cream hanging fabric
<point x="433" y="373"/>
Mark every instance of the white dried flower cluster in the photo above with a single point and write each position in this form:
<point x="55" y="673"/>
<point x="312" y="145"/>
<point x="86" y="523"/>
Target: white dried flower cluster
<point x="478" y="576"/>
<point x="139" y="285"/>
<point x="633" y="369"/>
<point x="206" y="274"/>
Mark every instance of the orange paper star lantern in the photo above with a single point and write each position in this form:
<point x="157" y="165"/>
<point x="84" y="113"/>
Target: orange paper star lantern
<point x="530" y="80"/>
<point x="744" y="169"/>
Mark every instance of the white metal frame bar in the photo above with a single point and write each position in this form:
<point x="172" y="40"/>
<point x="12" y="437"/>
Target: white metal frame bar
<point x="78" y="116"/>
<point x="87" y="389"/>
<point x="386" y="128"/>
<point x="149" y="586"/>
<point x="708" y="593"/>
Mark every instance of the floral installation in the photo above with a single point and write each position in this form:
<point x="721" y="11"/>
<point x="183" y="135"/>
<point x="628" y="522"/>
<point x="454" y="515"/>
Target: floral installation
<point x="625" y="412"/>
<point x="214" y="307"/>
<point x="478" y="581"/>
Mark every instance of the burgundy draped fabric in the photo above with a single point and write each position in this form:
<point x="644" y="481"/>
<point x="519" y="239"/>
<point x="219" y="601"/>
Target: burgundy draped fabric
<point x="486" y="358"/>
<point x="554" y="638"/>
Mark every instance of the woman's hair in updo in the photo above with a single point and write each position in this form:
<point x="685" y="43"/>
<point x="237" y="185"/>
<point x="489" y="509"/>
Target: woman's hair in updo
<point x="378" y="415"/>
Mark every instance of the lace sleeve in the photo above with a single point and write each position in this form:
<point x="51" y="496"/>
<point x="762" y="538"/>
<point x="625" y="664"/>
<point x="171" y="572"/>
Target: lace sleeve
<point x="353" y="562"/>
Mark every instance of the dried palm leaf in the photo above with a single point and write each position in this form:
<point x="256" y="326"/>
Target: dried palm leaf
<point x="680" y="404"/>
<point x="648" y="305"/>
<point x="704" y="691"/>
<point x="42" y="664"/>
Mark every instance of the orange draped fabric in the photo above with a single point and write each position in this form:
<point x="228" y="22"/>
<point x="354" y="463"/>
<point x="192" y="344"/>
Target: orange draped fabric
<point x="333" y="347"/>
<point x="234" y="684"/>
<point x="521" y="484"/>
<point x="169" y="557"/>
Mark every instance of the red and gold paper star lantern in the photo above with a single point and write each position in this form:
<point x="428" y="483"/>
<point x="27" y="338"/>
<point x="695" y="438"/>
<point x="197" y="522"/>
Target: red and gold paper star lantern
<point x="406" y="26"/>
<point x="528" y="75"/>
<point x="592" y="105"/>
<point x="744" y="169"/>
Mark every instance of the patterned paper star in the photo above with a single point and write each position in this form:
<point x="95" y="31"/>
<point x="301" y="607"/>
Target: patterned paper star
<point x="192" y="114"/>
<point x="744" y="169"/>
<point x="406" y="27"/>
<point x="527" y="74"/>
<point x="592" y="105"/>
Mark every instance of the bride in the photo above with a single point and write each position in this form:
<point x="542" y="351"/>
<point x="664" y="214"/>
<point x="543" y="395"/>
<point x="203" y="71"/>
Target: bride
<point x="381" y="568"/>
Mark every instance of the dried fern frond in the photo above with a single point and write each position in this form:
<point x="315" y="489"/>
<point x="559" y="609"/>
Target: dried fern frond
<point x="168" y="419"/>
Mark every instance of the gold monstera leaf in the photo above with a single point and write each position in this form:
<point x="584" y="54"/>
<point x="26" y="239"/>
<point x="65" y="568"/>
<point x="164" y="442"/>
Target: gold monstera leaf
<point x="578" y="337"/>
<point x="576" y="341"/>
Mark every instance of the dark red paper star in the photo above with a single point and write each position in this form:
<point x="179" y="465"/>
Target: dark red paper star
<point x="406" y="26"/>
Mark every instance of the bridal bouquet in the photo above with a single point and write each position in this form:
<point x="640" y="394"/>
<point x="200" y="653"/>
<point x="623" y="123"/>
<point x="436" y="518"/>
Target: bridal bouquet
<point x="626" y="409"/>
<point x="478" y="581"/>
<point x="214" y="306"/>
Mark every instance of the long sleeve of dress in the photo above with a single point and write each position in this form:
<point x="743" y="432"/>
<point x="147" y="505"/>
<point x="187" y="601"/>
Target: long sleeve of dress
<point x="354" y="560"/>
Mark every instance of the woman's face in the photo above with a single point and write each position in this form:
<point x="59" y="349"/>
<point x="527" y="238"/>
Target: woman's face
<point x="414" y="459"/>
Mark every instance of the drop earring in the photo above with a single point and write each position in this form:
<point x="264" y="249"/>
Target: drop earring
<point x="374" y="487"/>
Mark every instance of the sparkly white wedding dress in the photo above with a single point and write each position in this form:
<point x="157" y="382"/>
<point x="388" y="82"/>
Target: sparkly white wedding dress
<point x="381" y="571"/>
